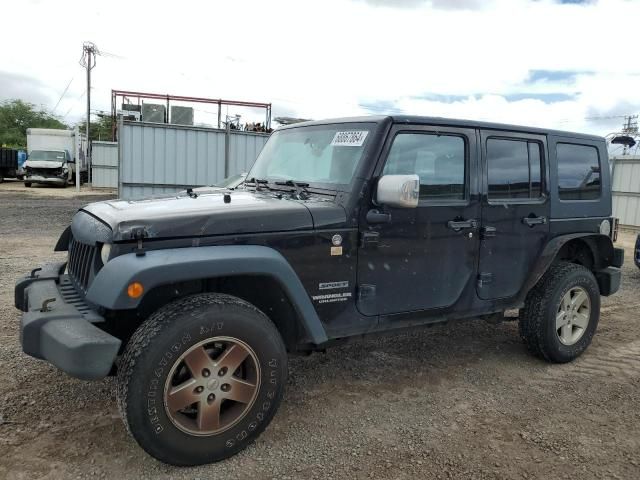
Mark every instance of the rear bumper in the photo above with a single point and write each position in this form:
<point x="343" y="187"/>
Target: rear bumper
<point x="58" y="326"/>
<point x="608" y="280"/>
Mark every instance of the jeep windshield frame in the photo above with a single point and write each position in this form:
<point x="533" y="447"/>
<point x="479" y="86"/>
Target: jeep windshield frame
<point x="323" y="156"/>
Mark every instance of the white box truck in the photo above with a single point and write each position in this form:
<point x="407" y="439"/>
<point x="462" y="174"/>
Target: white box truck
<point x="53" y="156"/>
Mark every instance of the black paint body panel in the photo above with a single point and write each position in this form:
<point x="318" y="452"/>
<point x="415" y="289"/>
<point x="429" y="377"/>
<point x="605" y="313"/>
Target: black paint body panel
<point x="413" y="270"/>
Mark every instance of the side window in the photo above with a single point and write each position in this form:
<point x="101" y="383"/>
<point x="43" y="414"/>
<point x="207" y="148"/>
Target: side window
<point x="578" y="172"/>
<point x="514" y="169"/>
<point x="439" y="161"/>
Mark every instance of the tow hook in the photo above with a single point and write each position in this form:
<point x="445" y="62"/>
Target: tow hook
<point x="45" y="304"/>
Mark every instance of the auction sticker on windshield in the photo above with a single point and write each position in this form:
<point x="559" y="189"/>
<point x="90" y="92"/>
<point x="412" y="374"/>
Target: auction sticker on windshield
<point x="349" y="139"/>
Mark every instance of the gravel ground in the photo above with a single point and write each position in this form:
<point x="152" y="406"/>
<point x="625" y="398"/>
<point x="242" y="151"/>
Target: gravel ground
<point x="463" y="400"/>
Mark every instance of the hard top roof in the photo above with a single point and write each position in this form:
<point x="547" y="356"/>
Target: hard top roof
<point x="449" y="122"/>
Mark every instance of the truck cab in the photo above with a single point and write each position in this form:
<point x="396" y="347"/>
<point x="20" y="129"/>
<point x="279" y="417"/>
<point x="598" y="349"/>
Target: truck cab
<point x="54" y="167"/>
<point x="53" y="156"/>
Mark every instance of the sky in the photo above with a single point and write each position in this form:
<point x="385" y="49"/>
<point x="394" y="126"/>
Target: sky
<point x="565" y="64"/>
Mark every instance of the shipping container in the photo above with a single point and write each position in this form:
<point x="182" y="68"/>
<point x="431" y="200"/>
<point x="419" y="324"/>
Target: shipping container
<point x="625" y="188"/>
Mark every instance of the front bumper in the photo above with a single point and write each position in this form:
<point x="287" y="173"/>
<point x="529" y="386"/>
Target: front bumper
<point x="42" y="179"/>
<point x="58" y="325"/>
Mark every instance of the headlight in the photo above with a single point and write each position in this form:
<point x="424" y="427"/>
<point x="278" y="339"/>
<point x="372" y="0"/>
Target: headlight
<point x="105" y="251"/>
<point x="605" y="228"/>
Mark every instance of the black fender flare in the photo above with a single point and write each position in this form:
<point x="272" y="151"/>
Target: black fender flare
<point x="596" y="242"/>
<point x="163" y="267"/>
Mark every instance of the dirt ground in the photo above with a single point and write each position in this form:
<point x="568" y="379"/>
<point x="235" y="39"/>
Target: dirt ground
<point x="463" y="400"/>
<point x="39" y="190"/>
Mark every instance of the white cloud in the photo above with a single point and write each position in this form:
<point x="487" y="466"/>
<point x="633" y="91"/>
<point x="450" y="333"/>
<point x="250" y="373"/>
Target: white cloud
<point x="327" y="59"/>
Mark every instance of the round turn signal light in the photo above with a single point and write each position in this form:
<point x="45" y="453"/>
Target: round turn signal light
<point x="135" y="290"/>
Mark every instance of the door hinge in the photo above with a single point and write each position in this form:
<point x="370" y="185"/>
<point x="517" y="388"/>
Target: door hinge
<point x="366" y="291"/>
<point x="484" y="278"/>
<point x="369" y="239"/>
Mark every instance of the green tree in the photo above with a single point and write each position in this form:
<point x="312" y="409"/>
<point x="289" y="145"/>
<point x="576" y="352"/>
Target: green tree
<point x="101" y="129"/>
<point x="16" y="116"/>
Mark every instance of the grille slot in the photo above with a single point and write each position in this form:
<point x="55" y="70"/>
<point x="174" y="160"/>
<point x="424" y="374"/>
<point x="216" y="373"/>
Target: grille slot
<point x="81" y="260"/>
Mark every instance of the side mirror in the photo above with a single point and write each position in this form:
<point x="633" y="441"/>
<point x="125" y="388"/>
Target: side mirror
<point x="401" y="191"/>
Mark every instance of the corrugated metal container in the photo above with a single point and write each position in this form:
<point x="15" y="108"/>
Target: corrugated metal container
<point x="159" y="159"/>
<point x="104" y="166"/>
<point x="626" y="189"/>
<point x="8" y="158"/>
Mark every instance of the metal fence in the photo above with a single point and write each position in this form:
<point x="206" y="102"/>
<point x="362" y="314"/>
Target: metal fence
<point x="160" y="158"/>
<point x="104" y="164"/>
<point x="626" y="189"/>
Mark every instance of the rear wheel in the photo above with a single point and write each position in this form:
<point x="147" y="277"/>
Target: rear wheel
<point x="561" y="313"/>
<point x="201" y="379"/>
<point x="27" y="184"/>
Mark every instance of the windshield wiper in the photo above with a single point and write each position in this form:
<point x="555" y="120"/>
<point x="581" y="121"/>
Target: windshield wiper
<point x="301" y="188"/>
<point x="259" y="182"/>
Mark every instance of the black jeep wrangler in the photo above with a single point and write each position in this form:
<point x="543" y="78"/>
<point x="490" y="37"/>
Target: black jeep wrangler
<point x="343" y="228"/>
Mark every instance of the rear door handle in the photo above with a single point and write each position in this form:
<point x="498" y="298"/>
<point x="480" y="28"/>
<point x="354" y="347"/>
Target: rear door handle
<point x="531" y="221"/>
<point x="458" y="225"/>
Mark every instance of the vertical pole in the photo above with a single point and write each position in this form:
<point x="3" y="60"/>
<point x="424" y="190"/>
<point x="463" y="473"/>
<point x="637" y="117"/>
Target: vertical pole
<point x="77" y="151"/>
<point x="219" y="112"/>
<point x="227" y="141"/>
<point x="88" y="145"/>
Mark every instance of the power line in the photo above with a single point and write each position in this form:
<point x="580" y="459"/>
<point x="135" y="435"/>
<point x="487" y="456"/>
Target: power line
<point x="62" y="95"/>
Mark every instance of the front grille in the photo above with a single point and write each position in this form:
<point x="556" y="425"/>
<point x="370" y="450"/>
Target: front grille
<point x="82" y="258"/>
<point x="44" y="172"/>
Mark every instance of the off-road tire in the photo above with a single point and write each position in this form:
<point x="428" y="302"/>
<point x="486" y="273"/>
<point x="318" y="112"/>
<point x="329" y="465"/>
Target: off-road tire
<point x="538" y="317"/>
<point x="157" y="344"/>
<point x="27" y="184"/>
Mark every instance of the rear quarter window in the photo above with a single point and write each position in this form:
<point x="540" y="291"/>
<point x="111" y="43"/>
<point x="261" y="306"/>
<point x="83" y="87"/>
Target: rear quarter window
<point x="578" y="172"/>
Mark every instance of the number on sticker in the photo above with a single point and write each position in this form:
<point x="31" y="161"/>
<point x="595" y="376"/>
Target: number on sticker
<point x="349" y="139"/>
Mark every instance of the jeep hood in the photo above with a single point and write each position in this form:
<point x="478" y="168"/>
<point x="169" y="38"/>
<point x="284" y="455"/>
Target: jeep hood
<point x="208" y="214"/>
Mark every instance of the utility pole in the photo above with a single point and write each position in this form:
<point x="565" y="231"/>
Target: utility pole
<point x="88" y="60"/>
<point x="630" y="128"/>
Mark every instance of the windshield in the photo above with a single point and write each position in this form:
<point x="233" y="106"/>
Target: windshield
<point x="47" y="156"/>
<point x="323" y="154"/>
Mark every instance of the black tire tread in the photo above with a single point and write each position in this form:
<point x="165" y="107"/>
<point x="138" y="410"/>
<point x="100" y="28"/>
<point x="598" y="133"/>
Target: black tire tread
<point x="152" y="326"/>
<point x="532" y="316"/>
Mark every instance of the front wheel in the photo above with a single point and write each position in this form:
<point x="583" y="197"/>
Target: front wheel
<point x="27" y="184"/>
<point x="561" y="313"/>
<point x="201" y="379"/>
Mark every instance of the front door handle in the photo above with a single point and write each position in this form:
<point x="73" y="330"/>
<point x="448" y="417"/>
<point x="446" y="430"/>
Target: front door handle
<point x="375" y="216"/>
<point x="458" y="225"/>
<point x="531" y="221"/>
